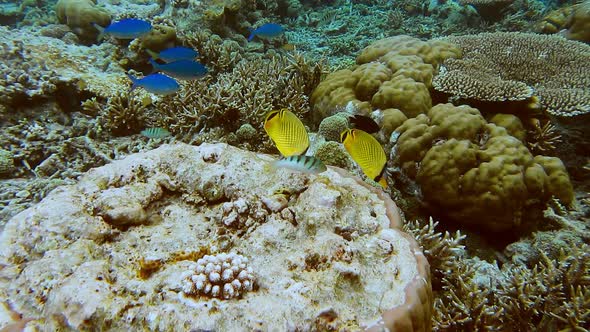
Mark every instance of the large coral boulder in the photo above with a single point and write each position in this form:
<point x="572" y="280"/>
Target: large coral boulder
<point x="212" y="238"/>
<point x="475" y="172"/>
<point x="392" y="73"/>
<point x="79" y="15"/>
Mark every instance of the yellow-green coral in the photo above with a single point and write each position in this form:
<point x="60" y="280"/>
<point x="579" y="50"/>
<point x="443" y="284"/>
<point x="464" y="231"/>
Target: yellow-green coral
<point x="474" y="171"/>
<point x="334" y="154"/>
<point x="332" y="126"/>
<point x="80" y="14"/>
<point x="395" y="72"/>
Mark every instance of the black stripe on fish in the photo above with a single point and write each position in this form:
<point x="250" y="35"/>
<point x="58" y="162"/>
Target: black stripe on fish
<point x="272" y="115"/>
<point x="364" y="123"/>
<point x="381" y="174"/>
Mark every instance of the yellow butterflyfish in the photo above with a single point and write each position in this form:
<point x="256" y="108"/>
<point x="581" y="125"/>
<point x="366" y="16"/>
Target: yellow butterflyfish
<point x="367" y="153"/>
<point x="287" y="132"/>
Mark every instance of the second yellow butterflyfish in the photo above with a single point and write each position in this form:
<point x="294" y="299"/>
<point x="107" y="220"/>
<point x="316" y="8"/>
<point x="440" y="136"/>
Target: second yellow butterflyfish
<point x="287" y="132"/>
<point x="367" y="153"/>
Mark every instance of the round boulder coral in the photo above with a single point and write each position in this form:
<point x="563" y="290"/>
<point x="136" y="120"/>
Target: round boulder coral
<point x="79" y="15"/>
<point x="331" y="127"/>
<point x="474" y="171"/>
<point x="393" y="72"/>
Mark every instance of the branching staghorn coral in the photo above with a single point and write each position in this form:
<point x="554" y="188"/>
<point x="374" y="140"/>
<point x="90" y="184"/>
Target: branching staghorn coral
<point x="217" y="54"/>
<point x="543" y="138"/>
<point x="243" y="96"/>
<point x="122" y="114"/>
<point x="474" y="295"/>
<point x="465" y="305"/>
<point x="441" y="249"/>
<point x="549" y="295"/>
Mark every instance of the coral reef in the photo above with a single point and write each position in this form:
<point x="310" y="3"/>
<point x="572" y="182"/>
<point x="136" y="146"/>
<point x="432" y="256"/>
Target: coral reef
<point x="475" y="171"/>
<point x="548" y="293"/>
<point x="318" y="250"/>
<point x="34" y="69"/>
<point x="223" y="276"/>
<point x="575" y="19"/>
<point x="514" y="66"/>
<point x="394" y="72"/>
<point x="6" y="163"/>
<point x="79" y="15"/>
<point x="239" y="97"/>
<point x="488" y="9"/>
<point x="331" y="127"/>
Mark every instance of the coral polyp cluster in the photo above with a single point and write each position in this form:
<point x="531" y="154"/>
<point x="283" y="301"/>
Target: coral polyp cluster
<point x="223" y="276"/>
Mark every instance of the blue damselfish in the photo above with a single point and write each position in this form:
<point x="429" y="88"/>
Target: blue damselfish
<point x="156" y="83"/>
<point x="128" y="28"/>
<point x="181" y="69"/>
<point x="174" y="54"/>
<point x="268" y="30"/>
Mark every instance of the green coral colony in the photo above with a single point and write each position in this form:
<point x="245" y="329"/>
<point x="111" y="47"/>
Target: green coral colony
<point x="481" y="107"/>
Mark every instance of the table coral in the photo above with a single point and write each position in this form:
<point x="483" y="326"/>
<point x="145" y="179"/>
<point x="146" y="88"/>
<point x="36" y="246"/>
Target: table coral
<point x="329" y="249"/>
<point x="394" y="72"/>
<point x="520" y="67"/>
<point x="475" y="171"/>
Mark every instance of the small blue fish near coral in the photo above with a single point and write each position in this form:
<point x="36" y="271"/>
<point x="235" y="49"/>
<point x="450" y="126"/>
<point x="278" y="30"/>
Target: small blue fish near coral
<point x="156" y="83"/>
<point x="181" y="69"/>
<point x="128" y="28"/>
<point x="268" y="30"/>
<point x="174" y="54"/>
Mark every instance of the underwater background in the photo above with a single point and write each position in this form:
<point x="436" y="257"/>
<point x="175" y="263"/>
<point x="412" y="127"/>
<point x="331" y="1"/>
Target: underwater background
<point x="481" y="108"/>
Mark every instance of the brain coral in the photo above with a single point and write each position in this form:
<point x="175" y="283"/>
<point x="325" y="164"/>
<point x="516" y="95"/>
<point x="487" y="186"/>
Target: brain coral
<point x="475" y="171"/>
<point x="514" y="66"/>
<point x="394" y="72"/>
<point x="324" y="252"/>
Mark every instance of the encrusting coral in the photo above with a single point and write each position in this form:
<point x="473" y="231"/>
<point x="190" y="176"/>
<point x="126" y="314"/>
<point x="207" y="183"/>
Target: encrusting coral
<point x="394" y="72"/>
<point x="519" y="67"/>
<point x="475" y="171"/>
